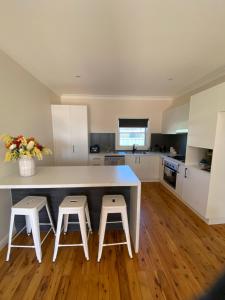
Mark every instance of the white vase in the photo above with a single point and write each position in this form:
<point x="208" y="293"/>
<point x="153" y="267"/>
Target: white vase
<point x="26" y="166"/>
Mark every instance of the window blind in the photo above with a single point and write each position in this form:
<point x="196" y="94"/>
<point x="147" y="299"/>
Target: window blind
<point x="130" y="123"/>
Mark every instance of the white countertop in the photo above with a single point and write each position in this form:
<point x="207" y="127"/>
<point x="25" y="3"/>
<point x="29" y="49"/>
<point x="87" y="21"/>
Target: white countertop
<point x="126" y="153"/>
<point x="73" y="176"/>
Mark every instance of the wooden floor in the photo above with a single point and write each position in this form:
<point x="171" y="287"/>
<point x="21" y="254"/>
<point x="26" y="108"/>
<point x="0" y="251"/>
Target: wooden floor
<point x="179" y="257"/>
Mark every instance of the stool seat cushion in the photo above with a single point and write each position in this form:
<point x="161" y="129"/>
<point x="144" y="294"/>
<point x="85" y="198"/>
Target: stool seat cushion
<point x="73" y="202"/>
<point x="30" y="202"/>
<point x="113" y="201"/>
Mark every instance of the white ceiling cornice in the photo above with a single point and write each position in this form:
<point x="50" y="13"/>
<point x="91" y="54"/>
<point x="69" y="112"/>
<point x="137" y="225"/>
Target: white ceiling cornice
<point x="213" y="78"/>
<point x="115" y="97"/>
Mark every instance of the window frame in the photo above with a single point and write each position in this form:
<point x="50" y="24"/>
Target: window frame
<point x="147" y="139"/>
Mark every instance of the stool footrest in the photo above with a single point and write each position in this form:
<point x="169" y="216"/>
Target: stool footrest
<point x="69" y="245"/>
<point x="75" y="223"/>
<point x="114" y="222"/>
<point x="46" y="236"/>
<point x="114" y="244"/>
<point x="18" y="233"/>
<point x="22" y="246"/>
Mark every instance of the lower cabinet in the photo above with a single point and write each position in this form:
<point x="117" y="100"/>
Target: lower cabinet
<point x="146" y="167"/>
<point x="96" y="160"/>
<point x="180" y="180"/>
<point x="196" y="188"/>
<point x="161" y="168"/>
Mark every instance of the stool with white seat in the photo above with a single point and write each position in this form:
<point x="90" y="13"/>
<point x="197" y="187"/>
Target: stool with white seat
<point x="113" y="204"/>
<point x="30" y="207"/>
<point x="73" y="205"/>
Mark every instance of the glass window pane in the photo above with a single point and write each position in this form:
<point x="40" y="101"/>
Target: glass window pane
<point x="131" y="136"/>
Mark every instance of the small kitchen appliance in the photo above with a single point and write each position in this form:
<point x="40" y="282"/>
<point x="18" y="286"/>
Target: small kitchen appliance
<point x="95" y="149"/>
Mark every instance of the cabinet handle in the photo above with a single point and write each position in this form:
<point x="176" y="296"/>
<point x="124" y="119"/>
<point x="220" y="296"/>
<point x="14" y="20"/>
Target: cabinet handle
<point x="178" y="169"/>
<point x="139" y="159"/>
<point x="185" y="173"/>
<point x="162" y="161"/>
<point x="73" y="149"/>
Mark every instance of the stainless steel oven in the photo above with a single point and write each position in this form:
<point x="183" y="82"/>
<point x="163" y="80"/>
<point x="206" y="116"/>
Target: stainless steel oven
<point x="170" y="173"/>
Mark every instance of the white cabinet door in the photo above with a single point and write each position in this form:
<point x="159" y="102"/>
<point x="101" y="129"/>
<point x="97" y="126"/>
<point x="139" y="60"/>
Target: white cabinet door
<point x="146" y="167"/>
<point x="204" y="107"/>
<point x="180" y="179"/>
<point x="61" y="134"/>
<point x="96" y="160"/>
<point x="149" y="168"/>
<point x="133" y="162"/>
<point x="70" y="134"/>
<point x="79" y="133"/>
<point x="161" y="168"/>
<point x="195" y="189"/>
<point x="175" y="119"/>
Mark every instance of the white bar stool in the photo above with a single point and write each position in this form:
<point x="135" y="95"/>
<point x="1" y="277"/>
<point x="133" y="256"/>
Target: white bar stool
<point x="30" y="207"/>
<point x="73" y="205"/>
<point x="113" y="204"/>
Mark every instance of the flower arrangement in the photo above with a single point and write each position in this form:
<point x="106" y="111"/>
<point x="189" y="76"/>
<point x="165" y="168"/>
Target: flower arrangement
<point x="20" y="146"/>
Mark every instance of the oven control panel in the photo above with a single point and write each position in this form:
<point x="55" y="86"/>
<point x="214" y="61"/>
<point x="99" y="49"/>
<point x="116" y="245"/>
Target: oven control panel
<point x="172" y="165"/>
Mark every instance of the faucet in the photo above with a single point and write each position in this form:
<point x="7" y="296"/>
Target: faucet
<point x="134" y="148"/>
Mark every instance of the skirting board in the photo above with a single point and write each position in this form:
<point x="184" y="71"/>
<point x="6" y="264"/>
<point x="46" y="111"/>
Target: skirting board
<point x="212" y="221"/>
<point x="3" y="242"/>
<point x="216" y="221"/>
<point x="186" y="204"/>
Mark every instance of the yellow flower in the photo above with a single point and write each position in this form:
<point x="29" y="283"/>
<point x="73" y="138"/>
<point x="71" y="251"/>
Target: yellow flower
<point x="47" y="151"/>
<point x="8" y="156"/>
<point x="38" y="153"/>
<point x="7" y="139"/>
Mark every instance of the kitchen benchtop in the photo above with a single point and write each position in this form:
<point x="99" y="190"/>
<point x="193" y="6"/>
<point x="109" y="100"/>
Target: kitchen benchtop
<point x="125" y="153"/>
<point x="73" y="176"/>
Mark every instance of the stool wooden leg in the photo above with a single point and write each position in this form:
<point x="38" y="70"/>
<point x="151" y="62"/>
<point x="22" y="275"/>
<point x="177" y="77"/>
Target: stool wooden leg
<point x="10" y="235"/>
<point x="36" y="234"/>
<point x="50" y="218"/>
<point x="126" y="229"/>
<point x="65" y="223"/>
<point x="28" y="225"/>
<point x="83" y="229"/>
<point x="88" y="218"/>
<point x="58" y="231"/>
<point x="102" y="233"/>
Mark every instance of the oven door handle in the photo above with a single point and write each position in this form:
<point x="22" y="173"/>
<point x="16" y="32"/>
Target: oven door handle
<point x="170" y="169"/>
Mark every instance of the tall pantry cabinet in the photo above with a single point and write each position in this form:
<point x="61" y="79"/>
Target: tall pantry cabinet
<point x="70" y="134"/>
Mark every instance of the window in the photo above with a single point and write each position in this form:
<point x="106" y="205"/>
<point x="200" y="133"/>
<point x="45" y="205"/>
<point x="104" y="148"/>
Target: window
<point x="133" y="131"/>
<point x="131" y="136"/>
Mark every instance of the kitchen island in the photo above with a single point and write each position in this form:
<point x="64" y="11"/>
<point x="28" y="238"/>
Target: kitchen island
<point x="56" y="182"/>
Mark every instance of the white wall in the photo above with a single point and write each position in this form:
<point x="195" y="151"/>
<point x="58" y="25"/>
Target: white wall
<point x="24" y="109"/>
<point x="104" y="113"/>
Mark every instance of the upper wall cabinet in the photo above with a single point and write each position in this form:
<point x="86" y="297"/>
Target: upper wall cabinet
<point x="204" y="108"/>
<point x="175" y="119"/>
<point x="70" y="134"/>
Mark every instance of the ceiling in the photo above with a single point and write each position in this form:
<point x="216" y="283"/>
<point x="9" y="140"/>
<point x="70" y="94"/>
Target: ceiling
<point x="117" y="47"/>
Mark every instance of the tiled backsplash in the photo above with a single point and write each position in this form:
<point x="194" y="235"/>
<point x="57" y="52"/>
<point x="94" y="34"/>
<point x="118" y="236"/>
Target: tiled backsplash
<point x="106" y="141"/>
<point x="165" y="141"/>
<point x="159" y="141"/>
